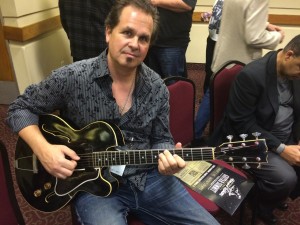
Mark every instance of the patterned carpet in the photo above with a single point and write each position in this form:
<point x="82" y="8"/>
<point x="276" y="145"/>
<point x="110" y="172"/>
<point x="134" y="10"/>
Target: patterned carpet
<point x="63" y="217"/>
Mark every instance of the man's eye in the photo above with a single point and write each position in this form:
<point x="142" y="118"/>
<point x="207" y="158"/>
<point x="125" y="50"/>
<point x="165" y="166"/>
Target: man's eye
<point x="127" y="33"/>
<point x="144" y="39"/>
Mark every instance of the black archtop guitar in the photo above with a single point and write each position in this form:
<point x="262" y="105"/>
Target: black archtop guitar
<point x="97" y="145"/>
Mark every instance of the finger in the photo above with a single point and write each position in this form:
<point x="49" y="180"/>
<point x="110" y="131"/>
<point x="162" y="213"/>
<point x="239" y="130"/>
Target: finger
<point x="70" y="153"/>
<point x="178" y="145"/>
<point x="169" y="162"/>
<point x="180" y="162"/>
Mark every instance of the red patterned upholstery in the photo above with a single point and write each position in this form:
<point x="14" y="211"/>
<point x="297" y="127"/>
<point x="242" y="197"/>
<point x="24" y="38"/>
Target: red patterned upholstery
<point x="10" y="213"/>
<point x="219" y="90"/>
<point x="182" y="108"/>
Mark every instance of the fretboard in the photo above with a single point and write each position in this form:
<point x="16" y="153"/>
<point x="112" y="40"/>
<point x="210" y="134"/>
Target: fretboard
<point x="137" y="157"/>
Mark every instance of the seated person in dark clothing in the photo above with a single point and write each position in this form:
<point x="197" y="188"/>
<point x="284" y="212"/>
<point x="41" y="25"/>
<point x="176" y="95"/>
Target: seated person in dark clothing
<point x="265" y="98"/>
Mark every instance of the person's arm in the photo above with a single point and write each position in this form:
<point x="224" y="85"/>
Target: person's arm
<point x="23" y="118"/>
<point x="256" y="30"/>
<point x="52" y="157"/>
<point x="173" y="5"/>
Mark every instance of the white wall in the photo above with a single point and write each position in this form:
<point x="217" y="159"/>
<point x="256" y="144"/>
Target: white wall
<point x="34" y="60"/>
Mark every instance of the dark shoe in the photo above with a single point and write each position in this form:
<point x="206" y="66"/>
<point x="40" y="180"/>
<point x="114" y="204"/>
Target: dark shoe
<point x="283" y="206"/>
<point x="267" y="217"/>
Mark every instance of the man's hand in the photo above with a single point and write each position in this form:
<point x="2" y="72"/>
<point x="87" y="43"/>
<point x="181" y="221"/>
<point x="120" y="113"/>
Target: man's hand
<point x="169" y="164"/>
<point x="291" y="154"/>
<point x="58" y="160"/>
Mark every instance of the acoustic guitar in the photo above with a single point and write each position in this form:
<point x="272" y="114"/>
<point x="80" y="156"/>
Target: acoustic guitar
<point x="97" y="145"/>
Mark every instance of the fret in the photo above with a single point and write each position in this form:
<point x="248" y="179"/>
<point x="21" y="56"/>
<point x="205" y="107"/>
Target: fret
<point x="155" y="156"/>
<point x="143" y="157"/>
<point x="149" y="156"/>
<point x="126" y="158"/>
<point x="187" y="155"/>
<point x="105" y="157"/>
<point x="113" y="158"/>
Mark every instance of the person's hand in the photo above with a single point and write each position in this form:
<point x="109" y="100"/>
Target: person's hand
<point x="272" y="27"/>
<point x="169" y="164"/>
<point x="58" y="160"/>
<point x="291" y="154"/>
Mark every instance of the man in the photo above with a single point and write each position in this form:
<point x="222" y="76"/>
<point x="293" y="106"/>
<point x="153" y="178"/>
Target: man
<point x="167" y="55"/>
<point x="265" y="98"/>
<point x="118" y="87"/>
<point x="83" y="22"/>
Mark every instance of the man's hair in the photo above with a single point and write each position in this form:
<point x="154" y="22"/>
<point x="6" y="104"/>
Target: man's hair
<point x="294" y="45"/>
<point x="113" y="18"/>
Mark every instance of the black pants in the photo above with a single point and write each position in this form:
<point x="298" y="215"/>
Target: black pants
<point x="276" y="181"/>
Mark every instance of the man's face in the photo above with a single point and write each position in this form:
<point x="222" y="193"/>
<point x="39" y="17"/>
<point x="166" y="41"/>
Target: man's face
<point x="291" y="66"/>
<point x="129" y="41"/>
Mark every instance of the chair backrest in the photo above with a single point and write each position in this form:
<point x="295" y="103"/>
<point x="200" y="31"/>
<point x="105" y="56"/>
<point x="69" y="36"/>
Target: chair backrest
<point x="220" y="85"/>
<point x="182" y="108"/>
<point x="10" y="213"/>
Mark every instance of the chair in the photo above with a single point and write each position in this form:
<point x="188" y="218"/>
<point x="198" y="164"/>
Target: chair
<point x="220" y="85"/>
<point x="182" y="108"/>
<point x="10" y="213"/>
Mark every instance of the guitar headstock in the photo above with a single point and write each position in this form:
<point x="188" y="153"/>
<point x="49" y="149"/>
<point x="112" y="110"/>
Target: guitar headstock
<point x="249" y="153"/>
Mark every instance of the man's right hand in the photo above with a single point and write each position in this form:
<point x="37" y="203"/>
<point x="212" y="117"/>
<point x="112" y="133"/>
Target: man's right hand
<point x="59" y="160"/>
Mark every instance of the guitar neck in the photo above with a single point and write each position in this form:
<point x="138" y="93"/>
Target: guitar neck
<point x="138" y="157"/>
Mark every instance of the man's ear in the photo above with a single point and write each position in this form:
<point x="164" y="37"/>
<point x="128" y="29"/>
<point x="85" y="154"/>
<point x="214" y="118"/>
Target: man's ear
<point x="107" y="34"/>
<point x="289" y="54"/>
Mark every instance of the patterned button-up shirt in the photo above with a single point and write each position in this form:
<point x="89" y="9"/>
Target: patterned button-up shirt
<point x="82" y="93"/>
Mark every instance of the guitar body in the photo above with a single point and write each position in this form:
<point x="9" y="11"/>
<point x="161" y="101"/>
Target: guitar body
<point x="47" y="193"/>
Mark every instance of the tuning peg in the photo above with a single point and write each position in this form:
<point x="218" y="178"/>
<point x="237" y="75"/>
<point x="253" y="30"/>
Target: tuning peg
<point x="245" y="166"/>
<point x="258" y="159"/>
<point x="259" y="166"/>
<point x="230" y="159"/>
<point x="229" y="137"/>
<point x="256" y="135"/>
<point x="243" y="136"/>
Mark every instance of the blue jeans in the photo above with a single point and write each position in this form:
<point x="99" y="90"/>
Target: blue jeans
<point x="164" y="201"/>
<point x="167" y="61"/>
<point x="203" y="115"/>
